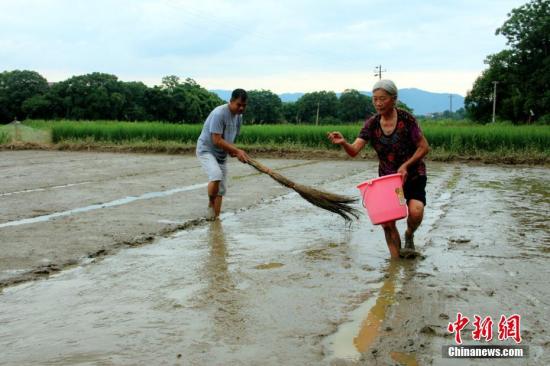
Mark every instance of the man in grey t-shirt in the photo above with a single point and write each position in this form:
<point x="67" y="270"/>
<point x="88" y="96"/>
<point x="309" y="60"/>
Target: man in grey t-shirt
<point x="216" y="141"/>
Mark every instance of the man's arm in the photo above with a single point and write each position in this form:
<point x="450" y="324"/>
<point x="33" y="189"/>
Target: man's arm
<point x="228" y="147"/>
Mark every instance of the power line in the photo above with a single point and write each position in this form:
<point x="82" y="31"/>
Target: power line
<point x="378" y="71"/>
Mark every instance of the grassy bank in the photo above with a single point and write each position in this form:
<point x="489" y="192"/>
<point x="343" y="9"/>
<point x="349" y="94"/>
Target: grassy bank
<point x="449" y="140"/>
<point x="4" y="137"/>
<point x="23" y="132"/>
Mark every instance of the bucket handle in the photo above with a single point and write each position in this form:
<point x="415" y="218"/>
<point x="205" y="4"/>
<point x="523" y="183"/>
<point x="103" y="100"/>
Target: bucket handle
<point x="369" y="183"/>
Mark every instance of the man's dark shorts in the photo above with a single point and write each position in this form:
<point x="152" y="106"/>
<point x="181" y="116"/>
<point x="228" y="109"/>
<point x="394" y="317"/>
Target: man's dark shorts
<point x="415" y="189"/>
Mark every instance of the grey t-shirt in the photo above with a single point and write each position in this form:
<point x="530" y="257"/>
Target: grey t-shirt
<point x="220" y="121"/>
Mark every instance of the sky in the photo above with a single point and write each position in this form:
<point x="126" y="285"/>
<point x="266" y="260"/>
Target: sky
<point x="282" y="46"/>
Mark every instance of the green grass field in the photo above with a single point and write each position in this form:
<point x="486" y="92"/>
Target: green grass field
<point x="446" y="138"/>
<point x="23" y="133"/>
<point x="4" y="137"/>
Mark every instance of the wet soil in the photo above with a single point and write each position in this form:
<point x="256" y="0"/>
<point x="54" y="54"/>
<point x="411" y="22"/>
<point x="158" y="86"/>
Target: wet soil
<point x="130" y="272"/>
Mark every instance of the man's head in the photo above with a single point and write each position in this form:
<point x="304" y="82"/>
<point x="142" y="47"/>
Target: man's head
<point x="237" y="103"/>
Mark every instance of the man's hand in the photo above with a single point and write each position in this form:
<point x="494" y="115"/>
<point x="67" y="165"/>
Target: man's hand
<point x="336" y="138"/>
<point x="242" y="156"/>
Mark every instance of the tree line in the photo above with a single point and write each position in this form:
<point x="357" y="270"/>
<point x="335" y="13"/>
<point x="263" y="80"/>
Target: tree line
<point x="99" y="96"/>
<point x="321" y="107"/>
<point x="521" y="72"/>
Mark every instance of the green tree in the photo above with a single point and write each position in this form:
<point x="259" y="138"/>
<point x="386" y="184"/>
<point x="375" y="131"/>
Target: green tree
<point x="91" y="96"/>
<point x="325" y="102"/>
<point x="170" y="82"/>
<point x="354" y="106"/>
<point x="37" y="106"/>
<point x="158" y="104"/>
<point x="181" y="102"/>
<point x="15" y="88"/>
<point x="479" y="101"/>
<point x="522" y="71"/>
<point x="135" y="101"/>
<point x="263" y="106"/>
<point x="200" y="102"/>
<point x="290" y="112"/>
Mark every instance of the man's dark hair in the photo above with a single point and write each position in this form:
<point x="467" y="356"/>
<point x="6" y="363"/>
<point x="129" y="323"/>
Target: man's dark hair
<point x="239" y="94"/>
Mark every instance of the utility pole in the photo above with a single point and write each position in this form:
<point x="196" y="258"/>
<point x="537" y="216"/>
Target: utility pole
<point x="378" y="71"/>
<point x="494" y="99"/>
<point x="451" y="103"/>
<point x="317" y="118"/>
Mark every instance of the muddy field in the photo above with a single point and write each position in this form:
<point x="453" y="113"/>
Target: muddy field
<point x="107" y="259"/>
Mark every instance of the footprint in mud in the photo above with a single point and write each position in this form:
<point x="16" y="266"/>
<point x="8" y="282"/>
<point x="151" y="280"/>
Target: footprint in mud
<point x="269" y="265"/>
<point x="459" y="240"/>
<point x="318" y="254"/>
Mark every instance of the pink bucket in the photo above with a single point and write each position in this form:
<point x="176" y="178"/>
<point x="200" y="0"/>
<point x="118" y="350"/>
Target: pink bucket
<point x="383" y="198"/>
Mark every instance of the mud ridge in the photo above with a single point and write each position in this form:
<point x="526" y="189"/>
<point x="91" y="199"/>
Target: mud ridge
<point x="273" y="152"/>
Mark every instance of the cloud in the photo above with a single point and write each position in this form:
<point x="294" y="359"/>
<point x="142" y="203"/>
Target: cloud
<point x="270" y="41"/>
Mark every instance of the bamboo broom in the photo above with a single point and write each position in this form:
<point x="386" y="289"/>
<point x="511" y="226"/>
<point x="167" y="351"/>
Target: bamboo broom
<point x="325" y="200"/>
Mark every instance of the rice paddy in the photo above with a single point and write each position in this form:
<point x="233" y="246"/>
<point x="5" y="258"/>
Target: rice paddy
<point x="4" y="137"/>
<point x="447" y="139"/>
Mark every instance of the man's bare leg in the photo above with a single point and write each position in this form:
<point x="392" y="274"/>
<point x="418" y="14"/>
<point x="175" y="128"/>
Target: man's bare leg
<point x="218" y="205"/>
<point x="214" y="200"/>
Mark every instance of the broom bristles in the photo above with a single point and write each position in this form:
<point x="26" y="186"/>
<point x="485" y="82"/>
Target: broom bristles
<point x="332" y="202"/>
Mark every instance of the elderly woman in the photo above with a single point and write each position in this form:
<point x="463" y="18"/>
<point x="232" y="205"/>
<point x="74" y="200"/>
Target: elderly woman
<point x="397" y="139"/>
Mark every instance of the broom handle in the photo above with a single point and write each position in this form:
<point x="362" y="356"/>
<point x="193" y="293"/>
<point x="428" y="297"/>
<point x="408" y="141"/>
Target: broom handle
<point x="259" y="166"/>
<point x="263" y="169"/>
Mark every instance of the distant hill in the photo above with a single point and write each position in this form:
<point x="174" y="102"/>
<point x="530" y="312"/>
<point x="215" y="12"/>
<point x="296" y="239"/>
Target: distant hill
<point x="224" y="94"/>
<point x="424" y="102"/>
<point x="421" y="101"/>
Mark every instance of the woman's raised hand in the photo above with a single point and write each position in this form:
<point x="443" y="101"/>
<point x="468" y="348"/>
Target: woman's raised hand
<point x="336" y="137"/>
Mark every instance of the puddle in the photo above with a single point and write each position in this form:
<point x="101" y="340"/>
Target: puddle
<point x="405" y="359"/>
<point x="118" y="202"/>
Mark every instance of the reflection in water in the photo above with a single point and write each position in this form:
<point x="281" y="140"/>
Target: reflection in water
<point x="221" y="289"/>
<point x="358" y="335"/>
<point x="216" y="263"/>
<point x="370" y="328"/>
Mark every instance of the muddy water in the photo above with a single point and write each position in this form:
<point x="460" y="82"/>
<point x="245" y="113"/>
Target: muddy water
<point x="282" y="283"/>
<point x="487" y="254"/>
